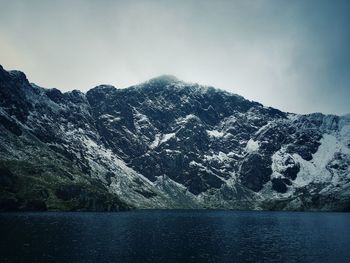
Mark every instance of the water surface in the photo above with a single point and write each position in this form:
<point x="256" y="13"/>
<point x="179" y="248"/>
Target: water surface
<point x="175" y="236"/>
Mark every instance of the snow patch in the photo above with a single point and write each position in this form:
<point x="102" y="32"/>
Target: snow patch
<point x="215" y="133"/>
<point x="194" y="164"/>
<point x="186" y="118"/>
<point x="252" y="146"/>
<point x="167" y="137"/>
<point x="110" y="118"/>
<point x="159" y="139"/>
<point x="220" y="157"/>
<point x="315" y="170"/>
<point x="155" y="142"/>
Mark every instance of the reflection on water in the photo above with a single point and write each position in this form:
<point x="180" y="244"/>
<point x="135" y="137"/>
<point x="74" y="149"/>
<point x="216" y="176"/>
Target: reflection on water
<point x="175" y="236"/>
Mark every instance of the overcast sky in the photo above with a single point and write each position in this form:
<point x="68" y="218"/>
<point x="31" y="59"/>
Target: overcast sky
<point x="291" y="55"/>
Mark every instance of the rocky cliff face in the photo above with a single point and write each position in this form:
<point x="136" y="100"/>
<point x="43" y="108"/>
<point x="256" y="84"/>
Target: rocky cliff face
<point x="165" y="144"/>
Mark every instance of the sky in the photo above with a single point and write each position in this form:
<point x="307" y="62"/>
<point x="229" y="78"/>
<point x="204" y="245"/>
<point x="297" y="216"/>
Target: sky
<point x="289" y="54"/>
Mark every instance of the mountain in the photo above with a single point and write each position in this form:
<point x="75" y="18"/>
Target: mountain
<point x="165" y="144"/>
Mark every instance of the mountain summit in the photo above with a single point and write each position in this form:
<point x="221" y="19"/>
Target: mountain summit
<point x="165" y="144"/>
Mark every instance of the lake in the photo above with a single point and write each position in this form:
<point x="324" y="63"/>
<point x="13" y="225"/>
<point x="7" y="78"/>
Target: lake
<point x="175" y="236"/>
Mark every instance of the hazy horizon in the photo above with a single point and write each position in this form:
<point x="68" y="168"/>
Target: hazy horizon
<point x="290" y="55"/>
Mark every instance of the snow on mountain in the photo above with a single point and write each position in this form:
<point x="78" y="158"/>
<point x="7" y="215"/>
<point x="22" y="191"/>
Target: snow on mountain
<point x="165" y="144"/>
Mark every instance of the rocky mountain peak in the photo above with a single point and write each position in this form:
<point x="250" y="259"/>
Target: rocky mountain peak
<point x="164" y="79"/>
<point x="166" y="143"/>
<point x="14" y="75"/>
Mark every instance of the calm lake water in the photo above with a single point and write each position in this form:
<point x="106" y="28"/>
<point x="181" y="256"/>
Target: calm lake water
<point x="175" y="236"/>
